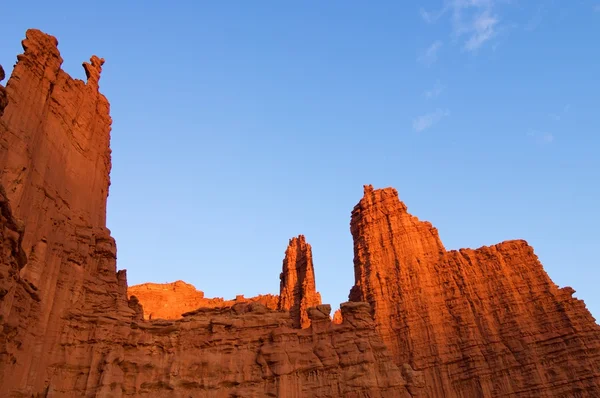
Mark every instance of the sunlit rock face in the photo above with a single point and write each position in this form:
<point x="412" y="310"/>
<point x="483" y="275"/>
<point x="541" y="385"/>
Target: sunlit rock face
<point x="422" y="321"/>
<point x="478" y="323"/>
<point x="298" y="292"/>
<point x="172" y="300"/>
<point x="67" y="328"/>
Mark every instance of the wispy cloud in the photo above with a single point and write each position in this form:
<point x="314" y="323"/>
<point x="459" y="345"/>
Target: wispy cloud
<point x="483" y="30"/>
<point x="547" y="137"/>
<point x="430" y="16"/>
<point x="554" y="116"/>
<point x="435" y="91"/>
<point x="474" y="22"/>
<point x="428" y="120"/>
<point x="429" y="56"/>
<point x="597" y="8"/>
<point x="559" y="116"/>
<point x="542" y="137"/>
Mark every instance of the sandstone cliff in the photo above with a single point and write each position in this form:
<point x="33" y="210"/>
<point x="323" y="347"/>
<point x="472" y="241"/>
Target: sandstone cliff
<point x="468" y="323"/>
<point x="172" y="300"/>
<point x="67" y="328"/>
<point x="297" y="291"/>
<point x="55" y="162"/>
<point x="479" y="323"/>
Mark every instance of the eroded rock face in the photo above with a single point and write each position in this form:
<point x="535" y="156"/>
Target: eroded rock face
<point x="297" y="291"/>
<point x="486" y="322"/>
<point x="67" y="328"/>
<point x="3" y="97"/>
<point x="55" y="160"/>
<point x="172" y="300"/>
<point x="337" y="317"/>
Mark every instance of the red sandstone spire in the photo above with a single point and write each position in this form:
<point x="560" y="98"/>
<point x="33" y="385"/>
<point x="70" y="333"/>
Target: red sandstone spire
<point x="297" y="287"/>
<point x="485" y="322"/>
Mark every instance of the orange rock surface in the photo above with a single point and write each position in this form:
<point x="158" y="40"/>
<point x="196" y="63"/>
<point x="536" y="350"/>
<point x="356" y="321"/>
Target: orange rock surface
<point x="478" y="323"/>
<point x="337" y="317"/>
<point x="67" y="328"/>
<point x="172" y="300"/>
<point x="422" y="321"/>
<point x="297" y="290"/>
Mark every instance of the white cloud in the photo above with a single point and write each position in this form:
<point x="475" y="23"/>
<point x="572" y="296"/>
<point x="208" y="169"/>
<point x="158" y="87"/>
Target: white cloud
<point x="435" y="91"/>
<point x="482" y="30"/>
<point x="473" y="21"/>
<point x="429" y="56"/>
<point x="428" y="120"/>
<point x="431" y="17"/>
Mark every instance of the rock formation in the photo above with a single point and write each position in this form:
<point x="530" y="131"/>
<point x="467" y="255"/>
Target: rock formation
<point x="3" y="98"/>
<point x="422" y="321"/>
<point x="337" y="317"/>
<point x="67" y="328"/>
<point x="172" y="300"/>
<point x="478" y="323"/>
<point x="297" y="291"/>
<point x="55" y="162"/>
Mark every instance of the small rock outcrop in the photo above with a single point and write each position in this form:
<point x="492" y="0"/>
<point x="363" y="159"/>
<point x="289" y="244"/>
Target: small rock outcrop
<point x="337" y="317"/>
<point x="478" y="323"/>
<point x="297" y="290"/>
<point x="3" y="97"/>
<point x="172" y="300"/>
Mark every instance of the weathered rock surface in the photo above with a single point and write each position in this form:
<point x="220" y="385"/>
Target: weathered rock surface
<point x="468" y="323"/>
<point x="172" y="300"/>
<point x="67" y="328"/>
<point x="297" y="290"/>
<point x="337" y="317"/>
<point x="55" y="162"/>
<point x="478" y="323"/>
<point x="3" y="97"/>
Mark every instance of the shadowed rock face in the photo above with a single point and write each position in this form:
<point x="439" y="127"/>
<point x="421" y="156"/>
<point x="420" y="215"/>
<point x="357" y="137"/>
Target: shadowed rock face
<point x="297" y="291"/>
<point x="486" y="322"/>
<point x="3" y="98"/>
<point x="67" y="328"/>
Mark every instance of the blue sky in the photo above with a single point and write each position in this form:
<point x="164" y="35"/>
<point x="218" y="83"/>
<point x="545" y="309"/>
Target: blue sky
<point x="238" y="125"/>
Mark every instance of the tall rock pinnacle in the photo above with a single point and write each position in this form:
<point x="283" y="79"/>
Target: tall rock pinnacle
<point x="486" y="322"/>
<point x="297" y="282"/>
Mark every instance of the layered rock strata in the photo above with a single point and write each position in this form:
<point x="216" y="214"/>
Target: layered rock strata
<point x="172" y="300"/>
<point x="478" y="323"/>
<point x="55" y="162"/>
<point x="297" y="291"/>
<point x="67" y="328"/>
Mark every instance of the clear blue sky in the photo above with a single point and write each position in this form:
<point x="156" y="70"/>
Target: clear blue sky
<point x="238" y="125"/>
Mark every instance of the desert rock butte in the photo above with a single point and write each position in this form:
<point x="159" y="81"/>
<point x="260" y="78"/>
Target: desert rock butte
<point x="421" y="321"/>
